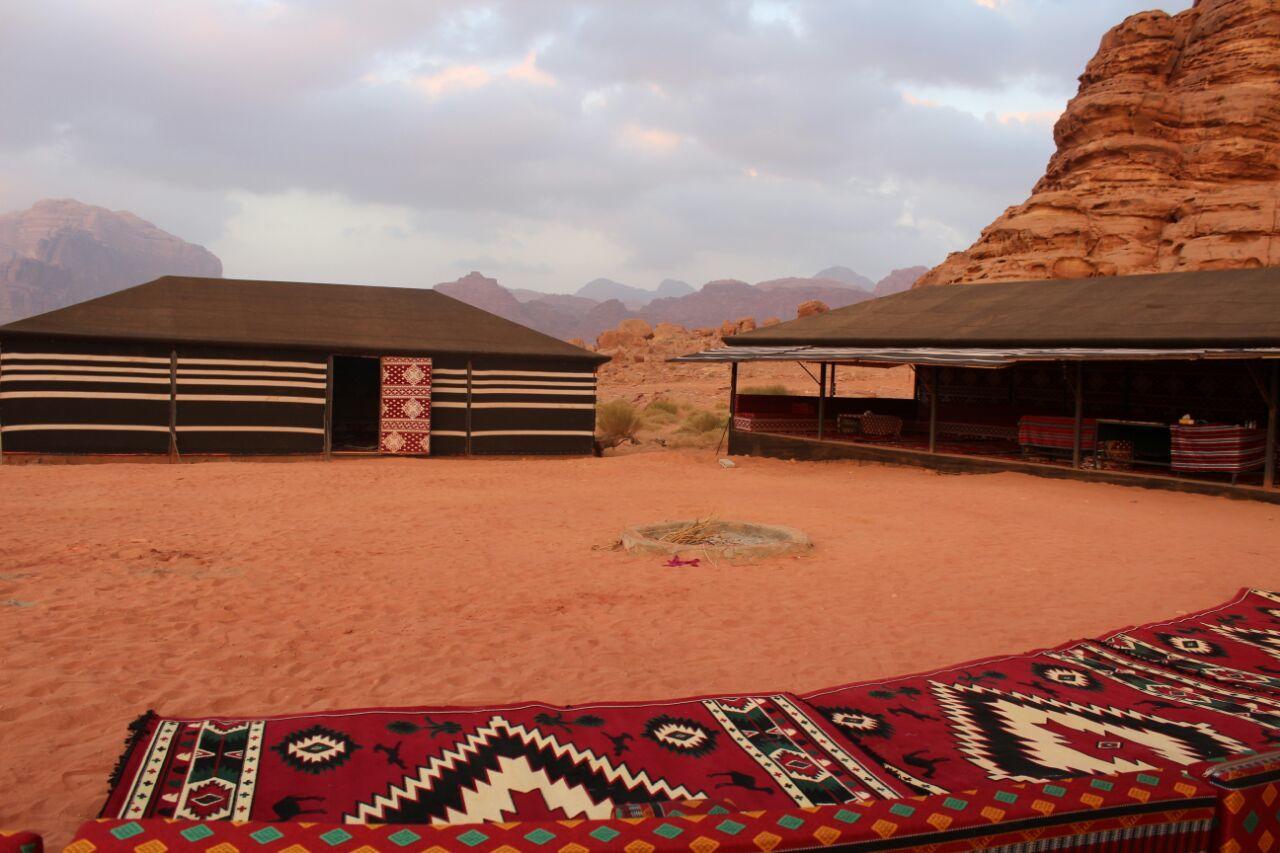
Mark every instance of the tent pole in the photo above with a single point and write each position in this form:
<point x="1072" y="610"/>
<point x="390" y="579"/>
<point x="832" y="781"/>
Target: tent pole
<point x="822" y="396"/>
<point x="1269" y="465"/>
<point x="467" y="449"/>
<point x="932" y="385"/>
<point x="833" y="380"/>
<point x="328" y="408"/>
<point x="1079" y="421"/>
<point x="173" y="405"/>
<point x="733" y="390"/>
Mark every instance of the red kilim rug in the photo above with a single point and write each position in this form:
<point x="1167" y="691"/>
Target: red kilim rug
<point x="492" y="764"/>
<point x="1178" y="694"/>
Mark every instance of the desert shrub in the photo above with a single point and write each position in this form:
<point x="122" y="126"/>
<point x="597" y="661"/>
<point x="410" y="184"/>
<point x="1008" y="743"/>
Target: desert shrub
<point x="661" y="404"/>
<point x="617" y="421"/>
<point x="703" y="421"/>
<point x="765" y="389"/>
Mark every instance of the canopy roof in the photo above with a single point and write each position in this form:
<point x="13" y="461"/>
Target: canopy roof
<point x="966" y="357"/>
<point x="278" y="314"/>
<point x="1207" y="309"/>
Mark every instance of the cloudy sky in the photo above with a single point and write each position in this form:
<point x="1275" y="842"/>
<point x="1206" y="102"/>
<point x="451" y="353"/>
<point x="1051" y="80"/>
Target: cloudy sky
<point x="544" y="142"/>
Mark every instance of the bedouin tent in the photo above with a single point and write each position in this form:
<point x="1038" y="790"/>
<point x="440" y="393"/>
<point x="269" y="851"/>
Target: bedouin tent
<point x="185" y="365"/>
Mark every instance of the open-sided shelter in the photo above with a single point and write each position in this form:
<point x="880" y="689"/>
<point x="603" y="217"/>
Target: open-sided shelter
<point x="185" y="365"/>
<point x="1171" y="379"/>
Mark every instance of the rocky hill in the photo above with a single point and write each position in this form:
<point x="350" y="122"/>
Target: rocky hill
<point x="60" y="251"/>
<point x="1167" y="157"/>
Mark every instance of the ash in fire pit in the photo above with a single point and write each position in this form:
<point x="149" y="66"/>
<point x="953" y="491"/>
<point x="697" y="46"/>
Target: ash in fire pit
<point x="729" y="539"/>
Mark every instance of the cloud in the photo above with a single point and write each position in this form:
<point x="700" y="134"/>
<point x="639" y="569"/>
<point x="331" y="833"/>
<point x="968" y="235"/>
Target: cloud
<point x="561" y="139"/>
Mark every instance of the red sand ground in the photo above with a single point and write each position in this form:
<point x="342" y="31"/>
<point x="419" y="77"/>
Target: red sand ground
<point x="255" y="588"/>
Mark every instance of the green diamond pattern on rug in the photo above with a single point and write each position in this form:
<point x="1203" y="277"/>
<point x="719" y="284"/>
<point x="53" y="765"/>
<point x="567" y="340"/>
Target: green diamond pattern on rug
<point x="335" y="837"/>
<point x="1251" y="821"/>
<point x="404" y="837"/>
<point x="472" y="837"/>
<point x="668" y="831"/>
<point x="1148" y="779"/>
<point x="266" y="835"/>
<point x="197" y="833"/>
<point x="902" y="810"/>
<point x="539" y="836"/>
<point x="730" y="827"/>
<point x="790" y="822"/>
<point x="1055" y="790"/>
<point x="846" y="816"/>
<point x="129" y="830"/>
<point x="955" y="804"/>
<point x="1102" y="784"/>
<point x="1006" y="797"/>
<point x="717" y="810"/>
<point x="604" y="834"/>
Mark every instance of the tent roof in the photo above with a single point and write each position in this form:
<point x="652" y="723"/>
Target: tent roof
<point x="1212" y="308"/>
<point x="332" y="317"/>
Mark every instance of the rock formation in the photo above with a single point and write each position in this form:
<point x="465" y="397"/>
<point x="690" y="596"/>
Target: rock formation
<point x="60" y="251"/>
<point x="1167" y="157"/>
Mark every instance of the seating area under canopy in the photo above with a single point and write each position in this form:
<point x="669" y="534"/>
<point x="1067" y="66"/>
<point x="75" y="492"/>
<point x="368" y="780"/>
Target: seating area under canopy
<point x="1161" y="380"/>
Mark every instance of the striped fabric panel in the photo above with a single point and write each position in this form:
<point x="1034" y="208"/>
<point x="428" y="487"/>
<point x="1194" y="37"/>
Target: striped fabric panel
<point x="524" y="407"/>
<point x="247" y="402"/>
<point x="84" y="398"/>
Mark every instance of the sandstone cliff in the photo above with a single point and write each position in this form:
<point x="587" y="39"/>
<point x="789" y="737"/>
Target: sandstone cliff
<point x="1167" y="158"/>
<point x="60" y="251"/>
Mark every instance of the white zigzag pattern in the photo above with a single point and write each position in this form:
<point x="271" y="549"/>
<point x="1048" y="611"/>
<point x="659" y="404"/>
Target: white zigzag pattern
<point x="480" y="807"/>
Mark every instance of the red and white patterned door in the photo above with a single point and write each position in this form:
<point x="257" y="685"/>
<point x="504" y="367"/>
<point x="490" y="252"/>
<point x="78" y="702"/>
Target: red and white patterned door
<point x="406" y="406"/>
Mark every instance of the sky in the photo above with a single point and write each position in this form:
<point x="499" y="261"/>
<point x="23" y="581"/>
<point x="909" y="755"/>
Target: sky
<point x="544" y="142"/>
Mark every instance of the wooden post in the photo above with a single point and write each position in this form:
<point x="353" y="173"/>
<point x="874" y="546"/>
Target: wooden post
<point x="932" y="385"/>
<point x="1079" y="423"/>
<point x="328" y="408"/>
<point x="822" y="396"/>
<point x="467" y="449"/>
<point x="733" y="390"/>
<point x="173" y="405"/>
<point x="1269" y="465"/>
<point x="833" y="380"/>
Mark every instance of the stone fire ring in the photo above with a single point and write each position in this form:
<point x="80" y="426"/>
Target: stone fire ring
<point x="731" y="540"/>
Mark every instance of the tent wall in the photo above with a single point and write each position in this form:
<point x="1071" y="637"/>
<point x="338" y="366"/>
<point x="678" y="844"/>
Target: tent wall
<point x="250" y="401"/>
<point x="70" y="397"/>
<point x="448" y="406"/>
<point x="523" y="406"/>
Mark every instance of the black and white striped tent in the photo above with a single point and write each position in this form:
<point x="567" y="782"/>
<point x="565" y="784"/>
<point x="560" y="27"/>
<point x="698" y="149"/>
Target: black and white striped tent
<point x="222" y="366"/>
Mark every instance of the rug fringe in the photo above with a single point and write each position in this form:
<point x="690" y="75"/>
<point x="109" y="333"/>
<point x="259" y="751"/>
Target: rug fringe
<point x="137" y="732"/>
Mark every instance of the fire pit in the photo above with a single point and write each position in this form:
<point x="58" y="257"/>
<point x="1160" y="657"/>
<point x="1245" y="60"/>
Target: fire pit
<point x="716" y="538"/>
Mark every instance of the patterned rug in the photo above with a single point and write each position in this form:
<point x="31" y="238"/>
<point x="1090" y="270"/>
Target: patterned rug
<point x="1199" y="689"/>
<point x="469" y="765"/>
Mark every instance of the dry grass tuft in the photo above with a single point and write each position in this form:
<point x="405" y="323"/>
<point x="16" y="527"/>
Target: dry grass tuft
<point x="617" y="421"/>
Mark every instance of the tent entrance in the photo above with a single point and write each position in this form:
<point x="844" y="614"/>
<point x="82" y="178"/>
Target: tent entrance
<point x="356" y="392"/>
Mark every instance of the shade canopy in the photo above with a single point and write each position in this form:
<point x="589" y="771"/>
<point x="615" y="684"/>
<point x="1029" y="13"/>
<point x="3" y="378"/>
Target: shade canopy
<point x="1210" y="309"/>
<point x="967" y="357"/>
<point x="277" y="314"/>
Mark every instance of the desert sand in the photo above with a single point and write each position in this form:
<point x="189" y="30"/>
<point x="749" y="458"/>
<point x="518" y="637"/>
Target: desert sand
<point x="242" y="588"/>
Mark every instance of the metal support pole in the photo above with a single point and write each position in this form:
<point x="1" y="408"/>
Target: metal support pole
<point x="1269" y="465"/>
<point x="932" y="386"/>
<point x="328" y="408"/>
<point x="468" y="447"/>
<point x="822" y="396"/>
<point x="1079" y="423"/>
<point x="733" y="390"/>
<point x="833" y="380"/>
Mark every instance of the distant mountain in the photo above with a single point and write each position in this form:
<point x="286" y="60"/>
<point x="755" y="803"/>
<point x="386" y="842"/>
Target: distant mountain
<point x="603" y="289"/>
<point x="898" y="281"/>
<point x="61" y="251"/>
<point x="847" y="276"/>
<point x="582" y="316"/>
<point x="673" y="287"/>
